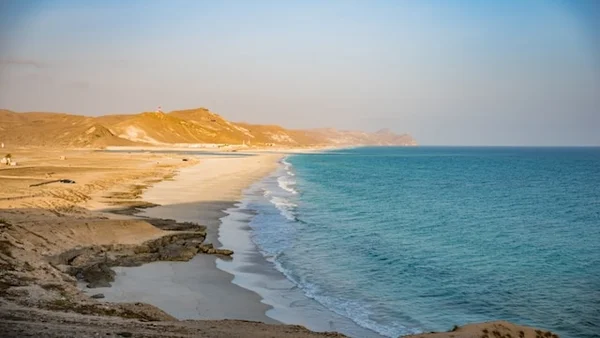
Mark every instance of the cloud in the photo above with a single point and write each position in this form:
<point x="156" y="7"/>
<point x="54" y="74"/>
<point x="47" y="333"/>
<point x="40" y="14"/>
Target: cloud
<point x="16" y="62"/>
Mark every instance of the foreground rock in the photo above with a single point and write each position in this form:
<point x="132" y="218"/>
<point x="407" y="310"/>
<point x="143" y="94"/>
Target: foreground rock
<point x="19" y="321"/>
<point x="496" y="329"/>
<point x="98" y="275"/>
<point x="93" y="264"/>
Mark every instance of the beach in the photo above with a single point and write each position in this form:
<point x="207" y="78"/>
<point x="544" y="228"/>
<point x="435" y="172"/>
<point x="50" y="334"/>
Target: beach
<point x="53" y="233"/>
<point x="196" y="289"/>
<point x="246" y="287"/>
<point x="139" y="243"/>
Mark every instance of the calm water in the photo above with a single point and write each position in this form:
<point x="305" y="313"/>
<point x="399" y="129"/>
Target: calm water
<point x="405" y="240"/>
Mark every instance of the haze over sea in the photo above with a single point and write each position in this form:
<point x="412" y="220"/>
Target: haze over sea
<point x="406" y="240"/>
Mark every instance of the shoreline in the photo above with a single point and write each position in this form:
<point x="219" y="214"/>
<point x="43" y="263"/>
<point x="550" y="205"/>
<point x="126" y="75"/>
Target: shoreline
<point x="47" y="230"/>
<point x="196" y="289"/>
<point x="247" y="287"/>
<point x="254" y="271"/>
<point x="54" y="235"/>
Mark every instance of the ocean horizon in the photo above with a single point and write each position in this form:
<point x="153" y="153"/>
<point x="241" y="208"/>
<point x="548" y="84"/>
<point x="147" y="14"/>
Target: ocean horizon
<point x="389" y="241"/>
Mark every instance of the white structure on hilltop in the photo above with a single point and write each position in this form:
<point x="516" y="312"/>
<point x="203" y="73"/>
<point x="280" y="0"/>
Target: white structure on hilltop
<point x="6" y="160"/>
<point x="159" y="109"/>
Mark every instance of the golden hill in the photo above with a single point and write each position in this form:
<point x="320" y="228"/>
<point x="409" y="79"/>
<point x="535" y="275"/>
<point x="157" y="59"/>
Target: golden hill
<point x="52" y="129"/>
<point x="183" y="127"/>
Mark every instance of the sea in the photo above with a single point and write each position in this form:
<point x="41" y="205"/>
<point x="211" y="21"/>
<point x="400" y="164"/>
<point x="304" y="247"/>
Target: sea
<point x="390" y="241"/>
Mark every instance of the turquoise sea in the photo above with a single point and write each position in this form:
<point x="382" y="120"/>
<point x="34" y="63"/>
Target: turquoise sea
<point x="395" y="240"/>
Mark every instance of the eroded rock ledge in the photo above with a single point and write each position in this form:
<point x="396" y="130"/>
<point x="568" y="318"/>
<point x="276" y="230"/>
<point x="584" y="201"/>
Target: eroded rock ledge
<point x="93" y="264"/>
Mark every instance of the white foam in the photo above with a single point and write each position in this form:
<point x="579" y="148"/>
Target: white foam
<point x="288" y="167"/>
<point x="355" y="311"/>
<point x="285" y="301"/>
<point x="358" y="313"/>
<point x="286" y="183"/>
<point x="286" y="208"/>
<point x="289" y="304"/>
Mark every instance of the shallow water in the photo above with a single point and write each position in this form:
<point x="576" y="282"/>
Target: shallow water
<point x="403" y="240"/>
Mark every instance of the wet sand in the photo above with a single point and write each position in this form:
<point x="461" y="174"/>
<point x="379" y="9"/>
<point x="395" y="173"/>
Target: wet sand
<point x="196" y="289"/>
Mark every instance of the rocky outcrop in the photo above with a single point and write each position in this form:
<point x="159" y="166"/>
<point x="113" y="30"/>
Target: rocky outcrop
<point x="93" y="264"/>
<point x="133" y="320"/>
<point x="496" y="329"/>
<point x="209" y="249"/>
<point x="97" y="275"/>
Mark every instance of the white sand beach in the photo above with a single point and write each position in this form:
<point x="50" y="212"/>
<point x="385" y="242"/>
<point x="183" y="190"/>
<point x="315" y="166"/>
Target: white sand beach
<point x="196" y="289"/>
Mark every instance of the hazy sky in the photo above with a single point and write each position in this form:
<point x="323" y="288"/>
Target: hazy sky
<point x="448" y="72"/>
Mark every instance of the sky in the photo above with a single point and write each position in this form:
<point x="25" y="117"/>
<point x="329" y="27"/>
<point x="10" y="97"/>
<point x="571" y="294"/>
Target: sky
<point x="448" y="72"/>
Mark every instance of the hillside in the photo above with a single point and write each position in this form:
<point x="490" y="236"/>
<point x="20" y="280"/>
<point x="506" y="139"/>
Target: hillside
<point x="184" y="127"/>
<point x="52" y="129"/>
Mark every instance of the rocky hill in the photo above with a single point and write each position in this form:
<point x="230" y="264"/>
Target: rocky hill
<point x="184" y="127"/>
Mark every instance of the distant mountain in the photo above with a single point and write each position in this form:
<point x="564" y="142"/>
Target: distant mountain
<point x="183" y="127"/>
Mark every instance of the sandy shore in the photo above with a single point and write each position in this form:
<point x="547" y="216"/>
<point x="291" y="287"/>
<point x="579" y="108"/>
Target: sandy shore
<point x="202" y="192"/>
<point x="55" y="235"/>
<point x="51" y="233"/>
<point x="196" y="289"/>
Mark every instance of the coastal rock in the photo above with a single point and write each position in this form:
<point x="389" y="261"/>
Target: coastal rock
<point x="173" y="225"/>
<point x="136" y="259"/>
<point x="97" y="296"/>
<point x="176" y="252"/>
<point x="209" y="249"/>
<point x="224" y="252"/>
<point x="93" y="264"/>
<point x="97" y="275"/>
<point x="495" y="329"/>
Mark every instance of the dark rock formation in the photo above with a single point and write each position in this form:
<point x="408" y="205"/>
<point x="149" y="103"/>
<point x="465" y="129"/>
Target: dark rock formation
<point x="97" y="275"/>
<point x="93" y="264"/>
<point x="209" y="249"/>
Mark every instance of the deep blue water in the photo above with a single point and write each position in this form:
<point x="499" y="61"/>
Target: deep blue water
<point x="405" y="240"/>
